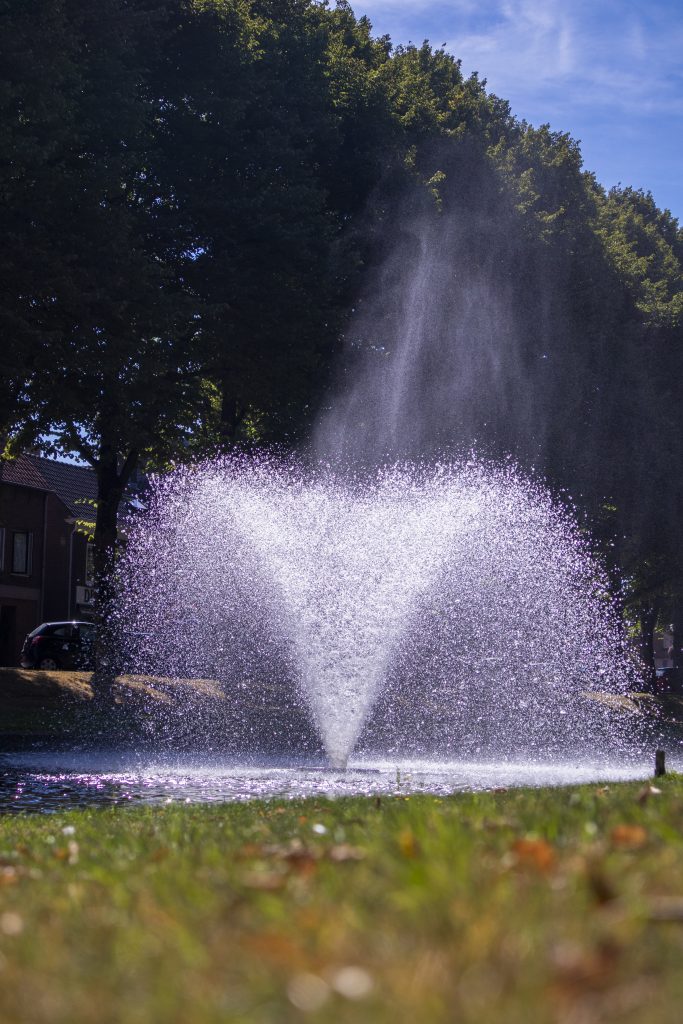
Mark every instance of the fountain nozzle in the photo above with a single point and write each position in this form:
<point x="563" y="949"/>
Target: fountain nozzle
<point x="338" y="762"/>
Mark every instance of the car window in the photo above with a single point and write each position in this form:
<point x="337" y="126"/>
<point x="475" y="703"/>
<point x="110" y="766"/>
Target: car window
<point x="38" y="629"/>
<point x="63" y="631"/>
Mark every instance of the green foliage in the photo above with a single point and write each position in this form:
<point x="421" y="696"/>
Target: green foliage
<point x="542" y="168"/>
<point x="36" y="123"/>
<point x="194" y="193"/>
<point x="645" y="245"/>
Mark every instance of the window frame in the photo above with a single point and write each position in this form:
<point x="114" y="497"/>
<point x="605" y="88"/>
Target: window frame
<point x="28" y="561"/>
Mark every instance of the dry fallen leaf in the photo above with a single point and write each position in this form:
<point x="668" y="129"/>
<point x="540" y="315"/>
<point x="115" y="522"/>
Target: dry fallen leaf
<point x="628" y="837"/>
<point x="295" y="855"/>
<point x="69" y="853"/>
<point x="344" y="851"/>
<point x="666" y="908"/>
<point x="279" y="949"/>
<point x="249" y="851"/>
<point x="408" y="844"/>
<point x="646" y="792"/>
<point x="534" y="853"/>
<point x="579" y="969"/>
<point x="302" y="861"/>
<point x="267" y="881"/>
<point x="8" y="875"/>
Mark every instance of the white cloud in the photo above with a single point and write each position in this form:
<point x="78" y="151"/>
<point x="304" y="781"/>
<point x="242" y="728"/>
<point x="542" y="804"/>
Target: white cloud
<point x="606" y="54"/>
<point x="608" y="71"/>
<point x="618" y="54"/>
<point x="412" y="6"/>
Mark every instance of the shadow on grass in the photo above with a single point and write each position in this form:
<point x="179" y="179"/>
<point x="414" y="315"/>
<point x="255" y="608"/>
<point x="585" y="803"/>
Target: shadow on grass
<point x="58" y="709"/>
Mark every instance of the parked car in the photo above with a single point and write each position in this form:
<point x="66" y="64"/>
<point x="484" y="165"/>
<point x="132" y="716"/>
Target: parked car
<point x="59" y="645"/>
<point x="669" y="680"/>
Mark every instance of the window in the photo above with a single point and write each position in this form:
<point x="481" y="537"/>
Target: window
<point x="2" y="548"/>
<point x="21" y="553"/>
<point x="67" y="630"/>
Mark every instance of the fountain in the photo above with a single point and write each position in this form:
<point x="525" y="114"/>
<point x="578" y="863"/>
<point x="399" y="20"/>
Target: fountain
<point x="382" y="603"/>
<point x="443" y="610"/>
<point x="373" y="595"/>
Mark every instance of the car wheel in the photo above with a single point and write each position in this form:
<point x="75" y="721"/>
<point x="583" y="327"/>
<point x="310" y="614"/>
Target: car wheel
<point x="47" y="664"/>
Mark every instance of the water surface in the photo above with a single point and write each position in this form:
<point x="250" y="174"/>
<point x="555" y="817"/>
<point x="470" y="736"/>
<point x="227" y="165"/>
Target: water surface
<point x="46" y="782"/>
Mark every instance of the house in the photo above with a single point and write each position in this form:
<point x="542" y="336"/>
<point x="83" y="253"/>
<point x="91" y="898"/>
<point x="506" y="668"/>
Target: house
<point x="45" y="562"/>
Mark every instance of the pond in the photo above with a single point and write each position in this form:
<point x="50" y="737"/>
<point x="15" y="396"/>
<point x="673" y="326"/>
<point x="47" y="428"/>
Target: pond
<point x="45" y="782"/>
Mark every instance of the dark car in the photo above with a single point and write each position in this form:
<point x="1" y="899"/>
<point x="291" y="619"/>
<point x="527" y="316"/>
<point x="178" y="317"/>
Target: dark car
<point x="669" y="680"/>
<point x="59" y="645"/>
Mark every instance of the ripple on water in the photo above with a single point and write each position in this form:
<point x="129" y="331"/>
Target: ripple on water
<point x="45" y="783"/>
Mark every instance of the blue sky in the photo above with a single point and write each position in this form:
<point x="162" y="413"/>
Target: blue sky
<point x="610" y="72"/>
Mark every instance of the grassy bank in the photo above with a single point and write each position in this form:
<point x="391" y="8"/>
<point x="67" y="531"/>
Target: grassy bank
<point x="60" y="704"/>
<point x="520" y="906"/>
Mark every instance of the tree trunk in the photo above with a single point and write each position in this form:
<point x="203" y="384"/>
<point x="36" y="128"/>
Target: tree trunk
<point x="677" y="639"/>
<point x="232" y="415"/>
<point x="649" y="613"/>
<point x="111" y="483"/>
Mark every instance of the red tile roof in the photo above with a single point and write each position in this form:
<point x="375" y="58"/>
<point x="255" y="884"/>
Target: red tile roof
<point x="22" y="472"/>
<point x="74" y="485"/>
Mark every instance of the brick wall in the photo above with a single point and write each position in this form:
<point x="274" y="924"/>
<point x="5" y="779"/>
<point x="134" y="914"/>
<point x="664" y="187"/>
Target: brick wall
<point x="22" y="512"/>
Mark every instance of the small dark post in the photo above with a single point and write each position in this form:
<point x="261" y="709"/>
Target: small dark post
<point x="660" y="762"/>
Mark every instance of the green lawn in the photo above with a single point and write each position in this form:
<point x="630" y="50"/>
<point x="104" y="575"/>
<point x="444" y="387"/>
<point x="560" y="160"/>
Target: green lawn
<point x="520" y="906"/>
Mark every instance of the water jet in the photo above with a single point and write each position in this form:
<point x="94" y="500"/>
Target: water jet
<point x="374" y="596"/>
<point x="421" y="610"/>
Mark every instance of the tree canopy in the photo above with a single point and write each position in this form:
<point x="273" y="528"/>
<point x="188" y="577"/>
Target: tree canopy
<point x="198" y="195"/>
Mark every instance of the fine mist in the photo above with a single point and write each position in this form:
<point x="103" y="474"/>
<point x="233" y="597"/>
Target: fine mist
<point x="434" y="357"/>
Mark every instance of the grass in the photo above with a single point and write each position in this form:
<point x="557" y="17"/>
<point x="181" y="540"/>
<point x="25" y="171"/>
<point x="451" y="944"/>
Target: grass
<point x="60" y="704"/>
<point x="521" y="906"/>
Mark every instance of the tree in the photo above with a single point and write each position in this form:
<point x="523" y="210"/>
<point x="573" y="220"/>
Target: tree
<point x="644" y="246"/>
<point x="199" y="199"/>
<point x="38" y="86"/>
<point x="273" y="129"/>
<point x="121" y="385"/>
